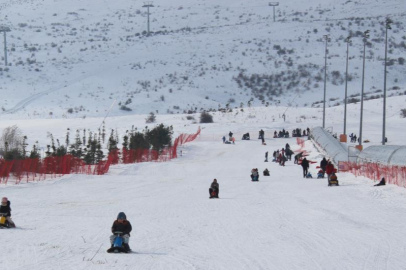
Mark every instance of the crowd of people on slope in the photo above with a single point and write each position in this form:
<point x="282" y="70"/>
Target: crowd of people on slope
<point x="299" y="133"/>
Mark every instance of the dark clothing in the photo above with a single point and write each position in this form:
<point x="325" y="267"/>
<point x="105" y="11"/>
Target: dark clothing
<point x="5" y="209"/>
<point x="305" y="166"/>
<point x="230" y="134"/>
<point x="381" y="183"/>
<point x="323" y="164"/>
<point x="266" y="173"/>
<point x="211" y="191"/>
<point x="124" y="227"/>
<point x="329" y="169"/>
<point x="215" y="186"/>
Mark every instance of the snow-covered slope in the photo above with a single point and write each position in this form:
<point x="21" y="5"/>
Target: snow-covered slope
<point x="281" y="222"/>
<point x="74" y="58"/>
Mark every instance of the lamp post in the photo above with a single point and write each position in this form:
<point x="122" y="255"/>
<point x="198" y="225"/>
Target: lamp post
<point x="5" y="29"/>
<point x="359" y="146"/>
<point x="273" y="4"/>
<point x="343" y="137"/>
<point x="327" y="38"/>
<point x="148" y="5"/>
<point x="388" y="23"/>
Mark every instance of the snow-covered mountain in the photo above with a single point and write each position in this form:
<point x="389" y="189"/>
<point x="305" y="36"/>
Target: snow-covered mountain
<point x="74" y="58"/>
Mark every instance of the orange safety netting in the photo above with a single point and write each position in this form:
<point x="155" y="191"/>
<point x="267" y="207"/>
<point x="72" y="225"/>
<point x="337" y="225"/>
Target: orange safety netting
<point x="393" y="174"/>
<point x="40" y="169"/>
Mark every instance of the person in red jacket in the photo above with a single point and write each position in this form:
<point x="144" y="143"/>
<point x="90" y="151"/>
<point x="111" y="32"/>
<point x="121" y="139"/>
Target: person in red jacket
<point x="329" y="170"/>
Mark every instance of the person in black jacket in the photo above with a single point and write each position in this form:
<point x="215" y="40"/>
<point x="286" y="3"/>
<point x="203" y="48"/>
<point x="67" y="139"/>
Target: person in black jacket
<point x="305" y="166"/>
<point x="124" y="226"/>
<point x="323" y="165"/>
<point x="214" y="189"/>
<point x="6" y="210"/>
<point x="381" y="183"/>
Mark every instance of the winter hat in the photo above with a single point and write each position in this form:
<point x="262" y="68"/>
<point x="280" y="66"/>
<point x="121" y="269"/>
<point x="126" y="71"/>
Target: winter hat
<point x="4" y="200"/>
<point x="121" y="215"/>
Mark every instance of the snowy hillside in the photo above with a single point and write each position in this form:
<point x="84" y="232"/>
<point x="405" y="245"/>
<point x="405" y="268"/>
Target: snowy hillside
<point x="281" y="222"/>
<point x="73" y="58"/>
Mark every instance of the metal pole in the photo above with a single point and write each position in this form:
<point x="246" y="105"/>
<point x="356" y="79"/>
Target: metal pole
<point x="148" y="19"/>
<point x="388" y="22"/>
<point x="346" y="82"/>
<point x="273" y="13"/>
<point x="325" y="81"/>
<point x="362" y="94"/>
<point x="5" y="48"/>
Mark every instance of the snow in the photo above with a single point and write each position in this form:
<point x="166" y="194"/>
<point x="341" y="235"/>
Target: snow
<point x="282" y="222"/>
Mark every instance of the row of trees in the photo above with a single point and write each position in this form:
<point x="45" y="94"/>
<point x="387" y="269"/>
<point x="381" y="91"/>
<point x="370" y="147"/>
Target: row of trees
<point x="86" y="145"/>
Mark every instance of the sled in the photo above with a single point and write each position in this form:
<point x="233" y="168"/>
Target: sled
<point x="214" y="195"/>
<point x="333" y="183"/>
<point x="118" y="244"/>
<point x="4" y="224"/>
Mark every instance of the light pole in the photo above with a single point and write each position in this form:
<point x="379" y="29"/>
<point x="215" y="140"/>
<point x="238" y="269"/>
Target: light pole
<point x="388" y="23"/>
<point x="5" y="29"/>
<point x="359" y="146"/>
<point x="148" y="5"/>
<point x="343" y="137"/>
<point x="273" y="4"/>
<point x="327" y="38"/>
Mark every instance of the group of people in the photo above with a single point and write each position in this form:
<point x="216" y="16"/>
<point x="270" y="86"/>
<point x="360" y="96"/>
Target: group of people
<point x="281" y="134"/>
<point x="298" y="132"/>
<point x="281" y="156"/>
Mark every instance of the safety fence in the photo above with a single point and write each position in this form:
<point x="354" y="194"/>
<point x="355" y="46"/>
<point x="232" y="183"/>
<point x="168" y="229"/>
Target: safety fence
<point x="393" y="174"/>
<point x="51" y="167"/>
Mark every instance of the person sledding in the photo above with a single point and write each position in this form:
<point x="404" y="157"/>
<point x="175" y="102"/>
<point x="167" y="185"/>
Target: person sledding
<point x="254" y="175"/>
<point x="381" y="183"/>
<point x="333" y="180"/>
<point x="121" y="234"/>
<point x="5" y="214"/>
<point x="266" y="172"/>
<point x="214" y="189"/>
<point x="320" y="174"/>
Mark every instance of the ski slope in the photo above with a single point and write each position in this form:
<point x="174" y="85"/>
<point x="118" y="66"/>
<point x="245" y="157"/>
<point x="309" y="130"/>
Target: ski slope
<point x="281" y="222"/>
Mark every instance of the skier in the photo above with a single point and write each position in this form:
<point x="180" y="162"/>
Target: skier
<point x="381" y="183"/>
<point x="214" y="189"/>
<point x="323" y="164"/>
<point x="124" y="226"/>
<point x="6" y="211"/>
<point x="305" y="166"/>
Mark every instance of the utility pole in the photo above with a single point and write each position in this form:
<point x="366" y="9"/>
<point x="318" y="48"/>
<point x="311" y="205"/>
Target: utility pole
<point x="343" y="137"/>
<point x="327" y="38"/>
<point x="5" y="29"/>
<point x="359" y="146"/>
<point x="273" y="4"/>
<point x="148" y="5"/>
<point x="388" y="23"/>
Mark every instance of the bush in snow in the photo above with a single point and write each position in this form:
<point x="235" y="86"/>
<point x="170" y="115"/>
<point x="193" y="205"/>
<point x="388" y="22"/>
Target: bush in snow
<point x="403" y="113"/>
<point x="206" y="117"/>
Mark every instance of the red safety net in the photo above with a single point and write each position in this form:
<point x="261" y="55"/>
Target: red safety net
<point x="393" y="174"/>
<point x="51" y="167"/>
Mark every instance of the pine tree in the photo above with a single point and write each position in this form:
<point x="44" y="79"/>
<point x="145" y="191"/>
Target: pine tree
<point x="67" y="137"/>
<point x="104" y="133"/>
<point x="34" y="154"/>
<point x="112" y="145"/>
<point x="160" y="137"/>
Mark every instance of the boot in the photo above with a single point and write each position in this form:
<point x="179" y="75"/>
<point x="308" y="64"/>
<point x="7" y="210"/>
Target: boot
<point x="127" y="247"/>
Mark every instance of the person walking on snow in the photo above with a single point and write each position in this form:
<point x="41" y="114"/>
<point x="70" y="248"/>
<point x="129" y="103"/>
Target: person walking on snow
<point x="224" y="139"/>
<point x="266" y="156"/>
<point x="323" y="164"/>
<point x="305" y="166"/>
<point x="5" y="209"/>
